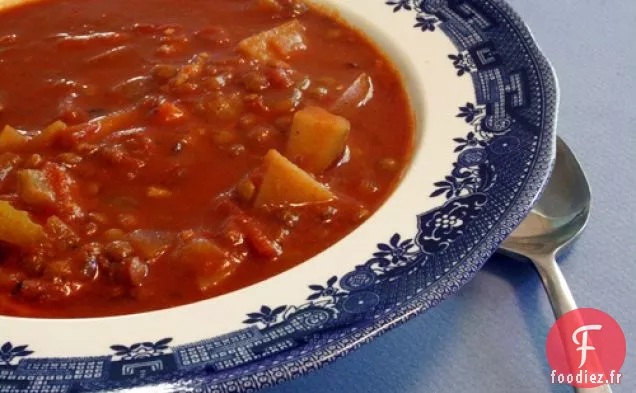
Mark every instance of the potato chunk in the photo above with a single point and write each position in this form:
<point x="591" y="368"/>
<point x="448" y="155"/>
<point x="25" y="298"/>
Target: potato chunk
<point x="276" y="44"/>
<point x="284" y="182"/>
<point x="34" y="188"/>
<point x="12" y="139"/>
<point x="317" y="138"/>
<point x="50" y="133"/>
<point x="17" y="228"/>
<point x="151" y="243"/>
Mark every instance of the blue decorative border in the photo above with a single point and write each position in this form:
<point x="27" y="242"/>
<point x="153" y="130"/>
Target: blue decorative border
<point x="501" y="167"/>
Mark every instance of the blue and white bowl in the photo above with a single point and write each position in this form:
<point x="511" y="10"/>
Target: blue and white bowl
<point x="485" y="100"/>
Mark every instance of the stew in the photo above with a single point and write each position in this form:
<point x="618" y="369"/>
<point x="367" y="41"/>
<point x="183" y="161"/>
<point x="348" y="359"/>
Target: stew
<point x="155" y="153"/>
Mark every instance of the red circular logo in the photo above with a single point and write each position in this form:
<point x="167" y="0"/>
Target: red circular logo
<point x="586" y="348"/>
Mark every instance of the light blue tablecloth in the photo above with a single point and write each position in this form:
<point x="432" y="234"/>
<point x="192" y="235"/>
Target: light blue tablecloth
<point x="491" y="336"/>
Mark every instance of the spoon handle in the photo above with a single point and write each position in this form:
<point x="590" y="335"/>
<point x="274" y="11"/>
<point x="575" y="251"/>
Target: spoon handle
<point x="558" y="290"/>
<point x="561" y="298"/>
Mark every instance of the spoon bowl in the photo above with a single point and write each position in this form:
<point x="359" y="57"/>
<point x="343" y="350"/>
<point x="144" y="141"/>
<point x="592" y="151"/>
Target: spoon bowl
<point x="561" y="213"/>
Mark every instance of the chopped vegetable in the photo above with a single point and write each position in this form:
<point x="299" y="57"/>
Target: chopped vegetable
<point x="63" y="236"/>
<point x="158" y="192"/>
<point x="12" y="139"/>
<point x="133" y="89"/>
<point x="99" y="218"/>
<point x="70" y="158"/>
<point x="257" y="238"/>
<point x="164" y="71"/>
<point x="246" y="189"/>
<point x="115" y="121"/>
<point x="64" y="187"/>
<point x="283" y="102"/>
<point x="151" y="243"/>
<point x="34" y="188"/>
<point x="357" y="95"/>
<point x="189" y="71"/>
<point x="17" y="228"/>
<point x="276" y="44"/>
<point x="285" y="183"/>
<point x="137" y="270"/>
<point x="209" y="281"/>
<point x="167" y="112"/>
<point x="224" y="107"/>
<point x="48" y="135"/>
<point x="114" y="234"/>
<point x="118" y="250"/>
<point x="288" y="39"/>
<point x="34" y="161"/>
<point x="255" y="81"/>
<point x="252" y="230"/>
<point x="90" y="229"/>
<point x="131" y="270"/>
<point x="60" y="269"/>
<point x="8" y="162"/>
<point x="318" y="138"/>
<point x="199" y="253"/>
<point x="280" y="75"/>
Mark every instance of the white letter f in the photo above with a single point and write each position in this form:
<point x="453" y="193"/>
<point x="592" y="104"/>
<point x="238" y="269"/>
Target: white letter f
<point x="583" y="345"/>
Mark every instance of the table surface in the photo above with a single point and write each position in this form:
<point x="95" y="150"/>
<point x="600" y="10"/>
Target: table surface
<point x="490" y="337"/>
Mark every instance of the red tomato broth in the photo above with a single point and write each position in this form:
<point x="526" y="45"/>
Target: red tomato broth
<point x="169" y="143"/>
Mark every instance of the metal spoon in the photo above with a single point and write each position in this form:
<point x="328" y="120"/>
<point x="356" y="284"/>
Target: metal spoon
<point x="558" y="218"/>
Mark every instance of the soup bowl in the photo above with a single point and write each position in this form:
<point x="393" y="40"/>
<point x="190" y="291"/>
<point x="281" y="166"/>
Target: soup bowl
<point x="484" y="100"/>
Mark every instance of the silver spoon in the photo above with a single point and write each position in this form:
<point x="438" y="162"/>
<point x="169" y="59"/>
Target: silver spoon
<point x="558" y="218"/>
